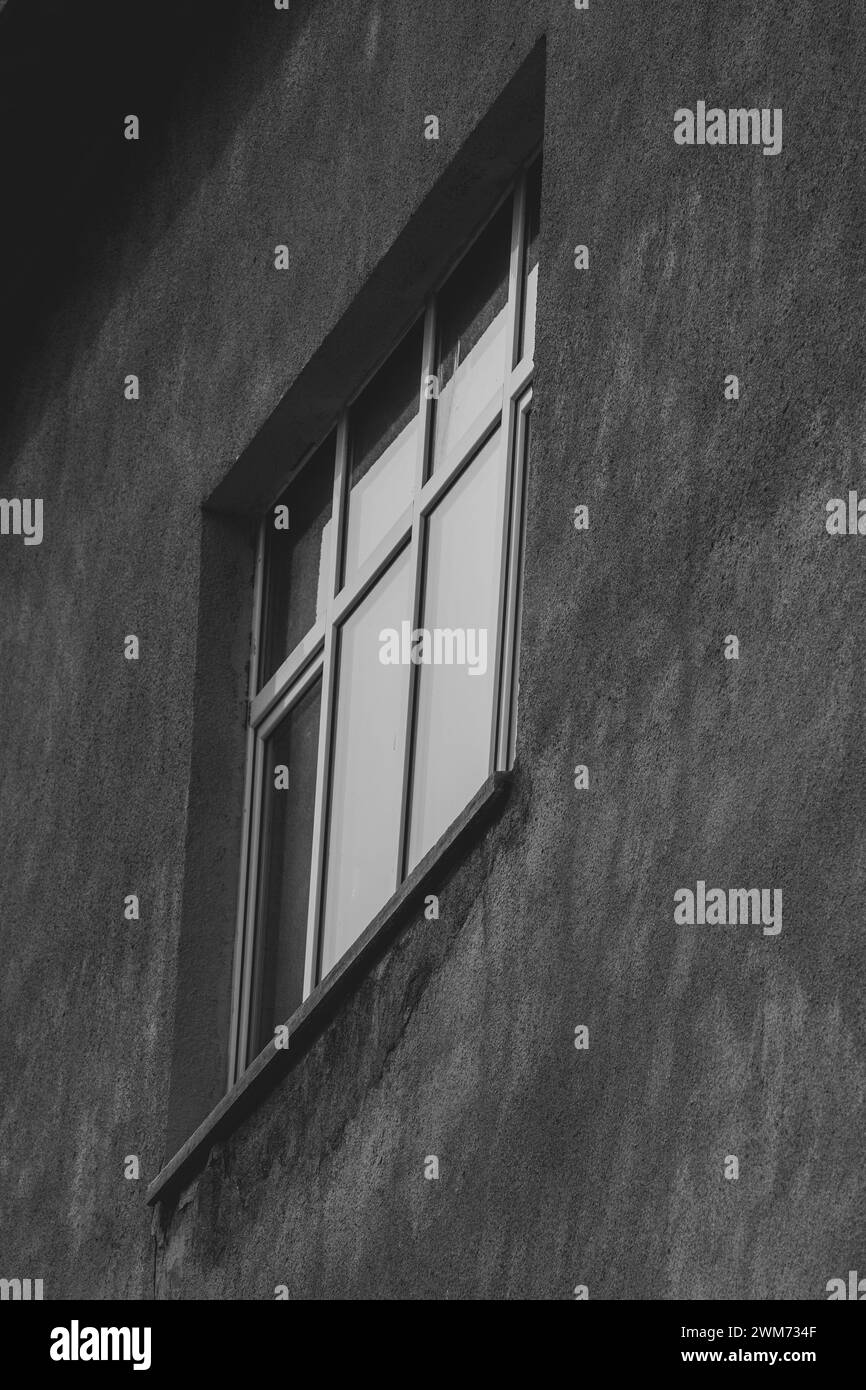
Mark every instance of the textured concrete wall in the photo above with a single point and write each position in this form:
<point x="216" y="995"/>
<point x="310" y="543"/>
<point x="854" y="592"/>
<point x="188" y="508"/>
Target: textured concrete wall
<point x="558" y="1167"/>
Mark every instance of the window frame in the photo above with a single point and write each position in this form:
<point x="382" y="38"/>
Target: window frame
<point x="316" y="656"/>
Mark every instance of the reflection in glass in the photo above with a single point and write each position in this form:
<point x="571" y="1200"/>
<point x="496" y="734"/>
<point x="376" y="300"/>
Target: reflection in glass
<point x="366" y="783"/>
<point x="455" y="705"/>
<point x="286" y="848"/>
<point x="472" y="311"/>
<point x="384" y="449"/>
<point x="533" y="230"/>
<point x="296" y="560"/>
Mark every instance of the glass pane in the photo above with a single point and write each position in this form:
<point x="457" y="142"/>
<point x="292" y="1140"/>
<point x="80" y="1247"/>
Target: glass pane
<point x="471" y="317"/>
<point x="286" y="840"/>
<point x="456" y="681"/>
<point x="533" y="231"/>
<point x="384" y="450"/>
<point x="366" y="785"/>
<point x="297" y="542"/>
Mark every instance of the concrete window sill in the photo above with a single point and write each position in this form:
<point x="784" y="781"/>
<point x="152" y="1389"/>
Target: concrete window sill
<point x="309" y="1020"/>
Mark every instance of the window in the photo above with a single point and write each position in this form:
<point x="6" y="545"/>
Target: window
<point x="383" y="674"/>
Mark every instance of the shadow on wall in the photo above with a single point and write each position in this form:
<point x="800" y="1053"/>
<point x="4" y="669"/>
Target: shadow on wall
<point x="68" y="76"/>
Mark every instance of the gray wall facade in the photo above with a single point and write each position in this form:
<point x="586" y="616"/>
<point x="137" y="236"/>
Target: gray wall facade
<point x="558" y="1167"/>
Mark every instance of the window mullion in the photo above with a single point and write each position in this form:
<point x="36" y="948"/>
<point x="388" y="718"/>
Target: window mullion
<point x="516" y="288"/>
<point x="287" y="676"/>
<point x="428" y="373"/>
<point x="351" y="596"/>
<point x="328" y="713"/>
<point x="250" y="811"/>
<point x="250" y="912"/>
<point x="467" y="447"/>
<point x="423" y="469"/>
<point x="501" y="643"/>
<point x="511" y="617"/>
<point x="519" y="380"/>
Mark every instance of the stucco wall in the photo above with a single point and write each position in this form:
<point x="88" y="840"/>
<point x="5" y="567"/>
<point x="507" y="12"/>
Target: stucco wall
<point x="558" y="1167"/>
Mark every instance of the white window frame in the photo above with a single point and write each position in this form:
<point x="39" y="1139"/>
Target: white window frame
<point x="316" y="655"/>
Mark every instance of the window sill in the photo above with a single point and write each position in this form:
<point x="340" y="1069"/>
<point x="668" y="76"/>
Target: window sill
<point x="314" y="1014"/>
